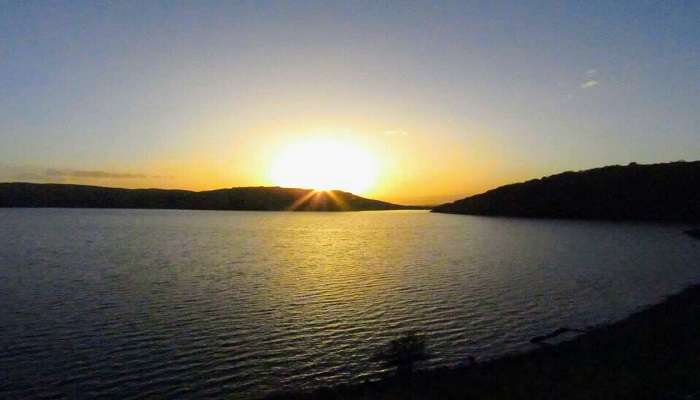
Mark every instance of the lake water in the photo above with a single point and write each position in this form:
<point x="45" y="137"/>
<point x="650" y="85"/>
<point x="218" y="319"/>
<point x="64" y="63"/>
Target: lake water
<point x="143" y="303"/>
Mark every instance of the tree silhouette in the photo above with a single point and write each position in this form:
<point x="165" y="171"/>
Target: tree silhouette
<point x="403" y="353"/>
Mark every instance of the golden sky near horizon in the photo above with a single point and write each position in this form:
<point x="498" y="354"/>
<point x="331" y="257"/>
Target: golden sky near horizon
<point x="409" y="102"/>
<point x="400" y="166"/>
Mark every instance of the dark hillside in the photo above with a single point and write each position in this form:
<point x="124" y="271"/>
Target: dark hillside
<point x="246" y="198"/>
<point x="656" y="192"/>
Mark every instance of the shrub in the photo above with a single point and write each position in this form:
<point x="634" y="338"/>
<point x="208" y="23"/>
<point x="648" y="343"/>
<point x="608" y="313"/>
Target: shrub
<point x="403" y="353"/>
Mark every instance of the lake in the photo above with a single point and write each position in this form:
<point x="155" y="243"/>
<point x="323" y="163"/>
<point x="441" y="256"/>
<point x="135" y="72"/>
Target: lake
<point x="151" y="303"/>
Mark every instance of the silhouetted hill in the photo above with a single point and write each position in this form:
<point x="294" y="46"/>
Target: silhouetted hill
<point x="656" y="192"/>
<point x="244" y="198"/>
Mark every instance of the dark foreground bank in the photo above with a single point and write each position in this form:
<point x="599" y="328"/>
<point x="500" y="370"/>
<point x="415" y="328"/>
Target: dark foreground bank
<point x="653" y="354"/>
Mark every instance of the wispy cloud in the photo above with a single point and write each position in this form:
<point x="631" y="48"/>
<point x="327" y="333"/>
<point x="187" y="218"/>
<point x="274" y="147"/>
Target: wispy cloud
<point x="37" y="174"/>
<point x="91" y="174"/>
<point x="396" y="133"/>
<point x="28" y="176"/>
<point x="591" y="72"/>
<point x="589" y="84"/>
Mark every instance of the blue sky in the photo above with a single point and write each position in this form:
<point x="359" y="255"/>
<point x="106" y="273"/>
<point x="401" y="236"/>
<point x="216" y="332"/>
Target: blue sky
<point x="199" y="94"/>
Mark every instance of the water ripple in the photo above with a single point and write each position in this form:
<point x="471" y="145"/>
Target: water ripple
<point x="171" y="304"/>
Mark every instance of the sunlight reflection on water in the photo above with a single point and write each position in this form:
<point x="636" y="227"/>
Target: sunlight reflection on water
<point x="191" y="303"/>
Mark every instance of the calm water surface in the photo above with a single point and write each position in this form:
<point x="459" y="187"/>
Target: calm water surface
<point x="136" y="303"/>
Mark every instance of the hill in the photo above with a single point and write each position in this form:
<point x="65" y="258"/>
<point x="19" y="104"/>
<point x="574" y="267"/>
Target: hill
<point x="243" y="198"/>
<point x="655" y="192"/>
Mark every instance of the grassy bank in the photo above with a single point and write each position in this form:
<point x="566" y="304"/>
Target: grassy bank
<point x="653" y="354"/>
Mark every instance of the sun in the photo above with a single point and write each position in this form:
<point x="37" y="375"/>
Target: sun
<point x="325" y="165"/>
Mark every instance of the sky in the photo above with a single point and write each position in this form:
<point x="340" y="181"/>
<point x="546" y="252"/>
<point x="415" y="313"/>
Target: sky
<point x="449" y="98"/>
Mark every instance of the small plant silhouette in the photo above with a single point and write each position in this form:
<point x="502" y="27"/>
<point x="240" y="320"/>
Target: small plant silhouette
<point x="403" y="353"/>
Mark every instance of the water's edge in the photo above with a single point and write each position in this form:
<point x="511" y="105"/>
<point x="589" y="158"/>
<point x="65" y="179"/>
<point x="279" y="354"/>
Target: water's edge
<point x="607" y="354"/>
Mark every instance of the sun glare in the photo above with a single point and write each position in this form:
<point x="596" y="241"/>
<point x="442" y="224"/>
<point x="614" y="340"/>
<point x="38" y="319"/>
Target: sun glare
<point x="325" y="165"/>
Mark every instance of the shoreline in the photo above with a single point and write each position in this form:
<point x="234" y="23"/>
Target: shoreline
<point x="653" y="353"/>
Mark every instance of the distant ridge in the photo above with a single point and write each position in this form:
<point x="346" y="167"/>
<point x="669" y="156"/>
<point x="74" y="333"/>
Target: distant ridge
<point x="243" y="198"/>
<point x="654" y="192"/>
